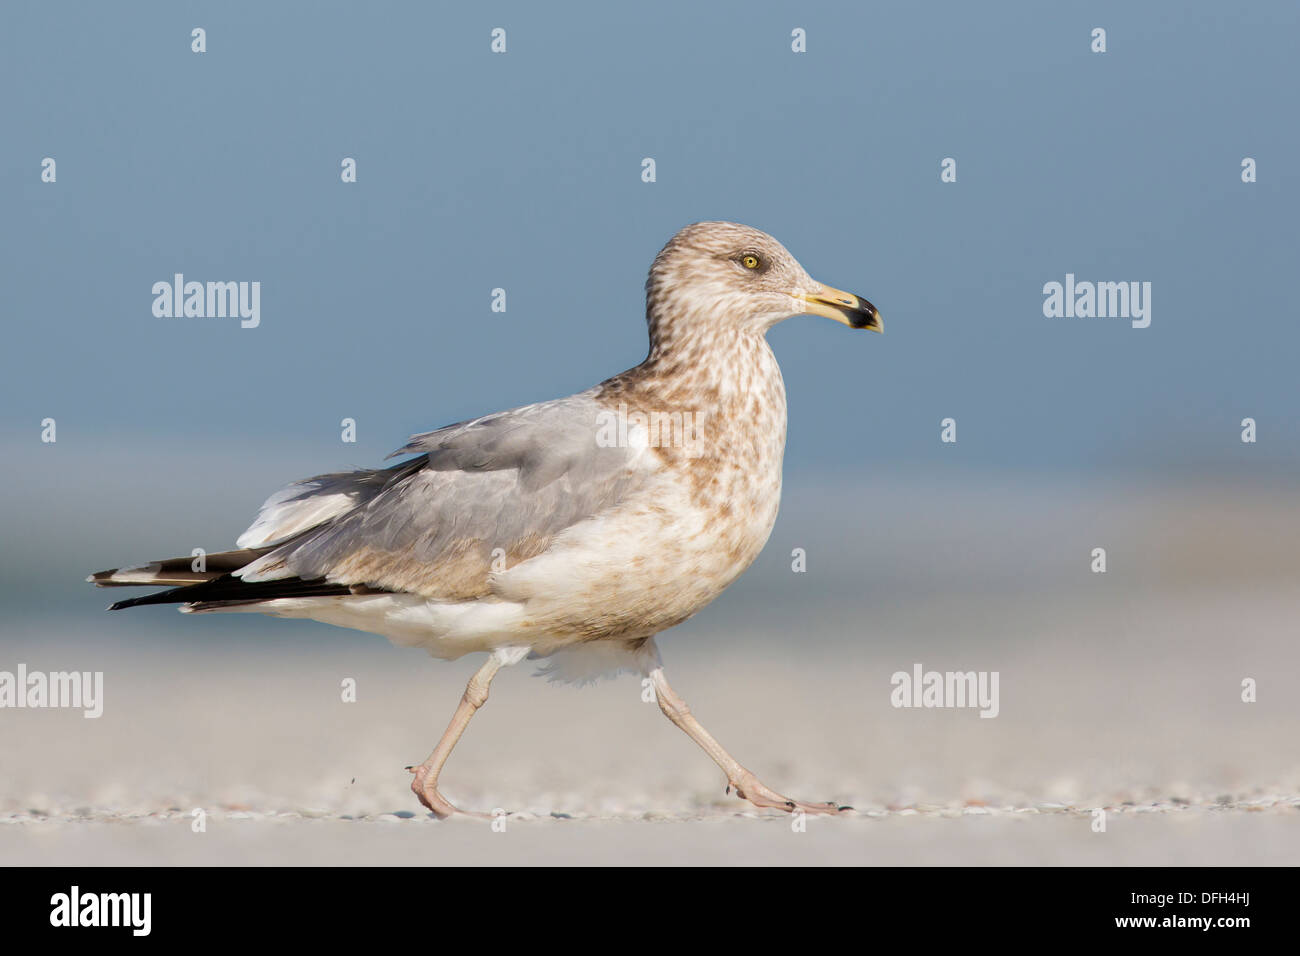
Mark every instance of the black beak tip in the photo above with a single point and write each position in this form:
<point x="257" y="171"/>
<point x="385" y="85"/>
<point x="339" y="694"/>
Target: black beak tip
<point x="866" y="317"/>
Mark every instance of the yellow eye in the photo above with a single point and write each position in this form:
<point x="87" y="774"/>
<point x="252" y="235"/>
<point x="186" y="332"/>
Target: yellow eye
<point x="749" y="262"/>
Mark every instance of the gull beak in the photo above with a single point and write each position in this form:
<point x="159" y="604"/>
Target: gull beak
<point x="844" y="307"/>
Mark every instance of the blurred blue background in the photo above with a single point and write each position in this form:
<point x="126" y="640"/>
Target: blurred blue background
<point x="522" y="171"/>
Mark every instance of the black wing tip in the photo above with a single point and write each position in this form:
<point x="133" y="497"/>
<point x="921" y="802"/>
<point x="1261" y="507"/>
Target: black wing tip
<point x="229" y="588"/>
<point x="123" y="605"/>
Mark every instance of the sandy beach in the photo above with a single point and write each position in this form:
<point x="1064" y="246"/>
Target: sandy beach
<point x="248" y="725"/>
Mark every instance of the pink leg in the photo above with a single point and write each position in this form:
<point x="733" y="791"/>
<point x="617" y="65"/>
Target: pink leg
<point x="742" y="780"/>
<point x="425" y="783"/>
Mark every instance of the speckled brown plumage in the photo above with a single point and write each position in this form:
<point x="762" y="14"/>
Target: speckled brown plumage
<point x="572" y="530"/>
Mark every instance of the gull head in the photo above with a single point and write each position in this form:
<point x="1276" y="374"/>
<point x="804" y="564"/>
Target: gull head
<point x="718" y="274"/>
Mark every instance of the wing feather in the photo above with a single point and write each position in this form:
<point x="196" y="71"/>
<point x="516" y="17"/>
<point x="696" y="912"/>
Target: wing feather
<point x="482" y="495"/>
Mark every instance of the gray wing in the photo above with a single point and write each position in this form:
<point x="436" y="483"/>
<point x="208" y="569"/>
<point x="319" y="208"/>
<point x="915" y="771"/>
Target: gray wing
<point x="483" y="494"/>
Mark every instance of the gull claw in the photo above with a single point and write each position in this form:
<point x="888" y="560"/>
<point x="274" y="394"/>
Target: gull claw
<point x="425" y="789"/>
<point x="760" y="795"/>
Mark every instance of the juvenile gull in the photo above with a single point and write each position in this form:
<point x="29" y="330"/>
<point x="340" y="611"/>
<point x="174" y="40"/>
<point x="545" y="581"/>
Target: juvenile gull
<point x="573" y="530"/>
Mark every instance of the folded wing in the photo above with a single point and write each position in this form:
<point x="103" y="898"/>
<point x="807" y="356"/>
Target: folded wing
<point x="480" y="496"/>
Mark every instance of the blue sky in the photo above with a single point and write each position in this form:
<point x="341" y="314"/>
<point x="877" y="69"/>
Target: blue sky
<point x="522" y="171"/>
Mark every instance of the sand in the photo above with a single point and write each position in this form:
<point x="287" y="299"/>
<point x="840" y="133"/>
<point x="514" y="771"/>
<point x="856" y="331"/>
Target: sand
<point x="1119" y="692"/>
<point x="246" y="722"/>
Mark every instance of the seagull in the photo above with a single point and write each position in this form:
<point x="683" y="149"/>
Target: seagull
<point x="571" y="531"/>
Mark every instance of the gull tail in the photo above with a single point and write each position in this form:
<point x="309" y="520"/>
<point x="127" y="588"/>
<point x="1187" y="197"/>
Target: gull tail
<point x="211" y="589"/>
<point x="229" y="591"/>
<point x="177" y="571"/>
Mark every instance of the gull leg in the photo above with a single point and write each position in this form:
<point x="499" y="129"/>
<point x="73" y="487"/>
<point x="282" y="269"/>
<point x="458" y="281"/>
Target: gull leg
<point x="746" y="785"/>
<point x="425" y="784"/>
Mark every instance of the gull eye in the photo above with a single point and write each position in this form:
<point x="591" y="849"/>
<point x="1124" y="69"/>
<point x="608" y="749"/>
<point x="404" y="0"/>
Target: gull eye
<point x="749" y="261"/>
